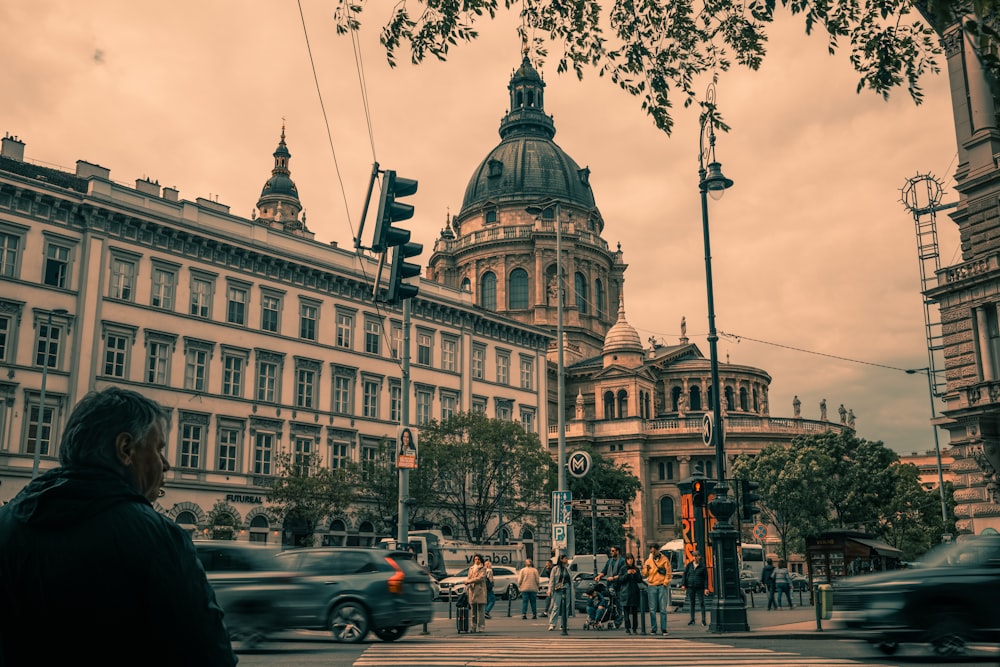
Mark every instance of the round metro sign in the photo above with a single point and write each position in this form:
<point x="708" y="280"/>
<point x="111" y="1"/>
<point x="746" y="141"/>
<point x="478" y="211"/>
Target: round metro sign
<point x="579" y="464"/>
<point x="707" y="424"/>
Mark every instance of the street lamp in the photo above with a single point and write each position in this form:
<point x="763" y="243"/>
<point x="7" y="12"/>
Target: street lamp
<point x="730" y="611"/>
<point x="937" y="445"/>
<point x="47" y="342"/>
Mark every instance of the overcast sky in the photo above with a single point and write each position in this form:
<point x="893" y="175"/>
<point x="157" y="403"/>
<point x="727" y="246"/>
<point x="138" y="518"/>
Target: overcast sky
<point x="814" y="256"/>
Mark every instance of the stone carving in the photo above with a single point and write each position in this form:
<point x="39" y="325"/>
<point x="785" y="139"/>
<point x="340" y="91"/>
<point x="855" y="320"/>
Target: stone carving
<point x="796" y="407"/>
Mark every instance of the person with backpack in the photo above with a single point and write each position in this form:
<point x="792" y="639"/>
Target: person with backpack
<point x="658" y="575"/>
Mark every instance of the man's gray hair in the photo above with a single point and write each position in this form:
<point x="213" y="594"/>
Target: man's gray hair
<point x="99" y="417"/>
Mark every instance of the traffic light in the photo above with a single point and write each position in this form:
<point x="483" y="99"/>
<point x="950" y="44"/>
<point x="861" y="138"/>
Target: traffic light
<point x="698" y="492"/>
<point x="748" y="500"/>
<point x="386" y="236"/>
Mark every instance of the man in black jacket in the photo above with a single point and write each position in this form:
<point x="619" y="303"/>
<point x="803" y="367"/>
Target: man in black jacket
<point x="90" y="572"/>
<point x="767" y="578"/>
<point x="695" y="582"/>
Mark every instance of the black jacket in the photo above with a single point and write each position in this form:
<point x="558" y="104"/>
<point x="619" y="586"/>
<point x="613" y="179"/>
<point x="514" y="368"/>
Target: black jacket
<point x="91" y="573"/>
<point x="629" y="588"/>
<point x="767" y="576"/>
<point x="695" y="577"/>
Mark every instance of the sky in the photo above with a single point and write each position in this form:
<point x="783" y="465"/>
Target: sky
<point x="814" y="260"/>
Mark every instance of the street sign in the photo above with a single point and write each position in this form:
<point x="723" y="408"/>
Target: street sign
<point x="610" y="503"/>
<point x="579" y="464"/>
<point x="559" y="512"/>
<point x="559" y="535"/>
<point x="610" y="513"/>
<point x="760" y="531"/>
<point x="707" y="424"/>
<point x="579" y="504"/>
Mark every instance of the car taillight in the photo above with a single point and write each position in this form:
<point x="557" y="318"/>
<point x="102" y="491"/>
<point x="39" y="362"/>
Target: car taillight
<point x="396" y="580"/>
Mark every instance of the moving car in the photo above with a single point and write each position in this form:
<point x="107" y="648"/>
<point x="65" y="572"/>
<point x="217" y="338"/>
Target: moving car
<point x="948" y="598"/>
<point x="355" y="591"/>
<point x="504" y="583"/>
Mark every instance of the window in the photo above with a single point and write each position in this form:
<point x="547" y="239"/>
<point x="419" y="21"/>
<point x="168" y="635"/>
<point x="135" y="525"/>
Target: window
<point x="196" y="357"/>
<point x="116" y="354"/>
<point x="580" y="285"/>
<point x="163" y="288"/>
<point x="528" y="419"/>
<point x="479" y="406"/>
<point x="270" y="312"/>
<point x="373" y="332"/>
<point x="338" y="455"/>
<point x="345" y="330"/>
<point x="122" y="279"/>
<point x="158" y="351"/>
<point x="7" y="331"/>
<point x="449" y="354"/>
<point x="237" y="298"/>
<point x="517" y="292"/>
<point x="10" y="246"/>
<point x="665" y="470"/>
<point x="263" y="451"/>
<point x="503" y="368"/>
<point x="478" y="361"/>
<point x="308" y="318"/>
<point x="306" y="378"/>
<point x="424" y="343"/>
<point x="303" y="453"/>
<point x="201" y="297"/>
<point x="268" y="376"/>
<point x="449" y="405"/>
<point x="189" y="454"/>
<point x="39" y="428"/>
<point x="395" y="402"/>
<point x="369" y="460"/>
<point x="488" y="291"/>
<point x="527" y="374"/>
<point x="234" y="366"/>
<point x="230" y="438"/>
<point x="47" y="346"/>
<point x="370" y="399"/>
<point x="503" y="410"/>
<point x="424" y="399"/>
<point x="599" y="305"/>
<point x="56" y="265"/>
<point x="396" y="341"/>
<point x="343" y="390"/>
<point x="666" y="511"/>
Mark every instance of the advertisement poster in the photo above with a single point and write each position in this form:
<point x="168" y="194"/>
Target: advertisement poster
<point x="406" y="453"/>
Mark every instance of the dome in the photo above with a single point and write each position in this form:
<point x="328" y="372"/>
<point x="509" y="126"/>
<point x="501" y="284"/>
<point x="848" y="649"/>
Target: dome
<point x="527" y="165"/>
<point x="622" y="337"/>
<point x="279" y="184"/>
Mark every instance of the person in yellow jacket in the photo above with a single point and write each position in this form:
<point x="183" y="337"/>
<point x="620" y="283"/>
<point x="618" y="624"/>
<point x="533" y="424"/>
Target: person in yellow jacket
<point x="658" y="574"/>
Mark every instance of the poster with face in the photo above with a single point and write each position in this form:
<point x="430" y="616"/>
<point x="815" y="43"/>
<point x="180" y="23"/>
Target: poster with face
<point x="406" y="453"/>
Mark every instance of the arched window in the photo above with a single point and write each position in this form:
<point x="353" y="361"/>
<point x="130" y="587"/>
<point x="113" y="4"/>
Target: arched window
<point x="695" y="397"/>
<point x="366" y="534"/>
<point x="609" y="405"/>
<point x="675" y="398"/>
<point x="599" y="299"/>
<point x="580" y="283"/>
<point x="744" y="404"/>
<point x="728" y="393"/>
<point x="517" y="292"/>
<point x="666" y="511"/>
<point x="488" y="291"/>
<point x="259" y="528"/>
<point x="337" y="536"/>
<point x="466" y="284"/>
<point x="622" y="404"/>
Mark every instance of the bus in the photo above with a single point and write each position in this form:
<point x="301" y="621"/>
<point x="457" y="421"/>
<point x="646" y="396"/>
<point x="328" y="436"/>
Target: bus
<point x="752" y="559"/>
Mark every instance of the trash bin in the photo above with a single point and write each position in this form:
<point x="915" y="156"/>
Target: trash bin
<point x="824" y="601"/>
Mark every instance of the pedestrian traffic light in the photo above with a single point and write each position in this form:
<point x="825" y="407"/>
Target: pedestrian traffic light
<point x="698" y="492"/>
<point x="748" y="500"/>
<point x="390" y="211"/>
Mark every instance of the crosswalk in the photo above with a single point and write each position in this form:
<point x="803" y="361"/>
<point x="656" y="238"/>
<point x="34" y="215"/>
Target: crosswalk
<point x="486" y="651"/>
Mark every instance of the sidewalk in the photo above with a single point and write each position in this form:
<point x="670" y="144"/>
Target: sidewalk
<point x="798" y="622"/>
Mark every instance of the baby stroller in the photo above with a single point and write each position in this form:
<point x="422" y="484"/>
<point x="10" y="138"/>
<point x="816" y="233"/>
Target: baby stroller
<point x="607" y="610"/>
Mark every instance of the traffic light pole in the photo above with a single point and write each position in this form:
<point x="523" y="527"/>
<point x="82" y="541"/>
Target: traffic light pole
<point x="404" y="420"/>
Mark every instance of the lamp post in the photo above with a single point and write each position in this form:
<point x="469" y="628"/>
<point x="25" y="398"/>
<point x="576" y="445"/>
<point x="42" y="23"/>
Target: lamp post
<point x="937" y="445"/>
<point x="47" y="342"/>
<point x="730" y="613"/>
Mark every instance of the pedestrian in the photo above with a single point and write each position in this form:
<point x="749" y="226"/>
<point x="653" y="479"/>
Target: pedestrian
<point x="596" y="604"/>
<point x="629" y="594"/>
<point x="527" y="584"/>
<point x="491" y="598"/>
<point x="783" y="582"/>
<point x="90" y="572"/>
<point x="767" y="579"/>
<point x="695" y="583"/>
<point x="475" y="586"/>
<point x="559" y="583"/>
<point x="658" y="575"/>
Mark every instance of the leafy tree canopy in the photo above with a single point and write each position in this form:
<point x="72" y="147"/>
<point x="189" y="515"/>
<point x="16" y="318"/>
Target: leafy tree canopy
<point x="304" y="492"/>
<point x="657" y="50"/>
<point x="475" y="469"/>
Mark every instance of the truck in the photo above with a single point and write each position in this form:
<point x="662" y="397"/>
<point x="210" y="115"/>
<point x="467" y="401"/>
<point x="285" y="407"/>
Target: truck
<point x="444" y="557"/>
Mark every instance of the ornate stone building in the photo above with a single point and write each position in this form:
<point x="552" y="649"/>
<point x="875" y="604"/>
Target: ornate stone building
<point x="639" y="405"/>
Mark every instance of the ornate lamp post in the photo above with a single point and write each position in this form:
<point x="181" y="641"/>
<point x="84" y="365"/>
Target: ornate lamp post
<point x="730" y="613"/>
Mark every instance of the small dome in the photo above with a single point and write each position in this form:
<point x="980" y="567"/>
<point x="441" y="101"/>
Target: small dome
<point x="279" y="184"/>
<point x="622" y="337"/>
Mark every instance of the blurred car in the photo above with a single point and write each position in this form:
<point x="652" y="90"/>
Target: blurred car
<point x="504" y="583"/>
<point x="355" y="591"/>
<point x="750" y="583"/>
<point x="800" y="582"/>
<point x="948" y="598"/>
<point x="257" y="596"/>
<point x="543" y="587"/>
<point x="582" y="583"/>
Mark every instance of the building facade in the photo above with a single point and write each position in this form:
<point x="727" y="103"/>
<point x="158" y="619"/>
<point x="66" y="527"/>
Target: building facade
<point x="257" y="339"/>
<point x="638" y="404"/>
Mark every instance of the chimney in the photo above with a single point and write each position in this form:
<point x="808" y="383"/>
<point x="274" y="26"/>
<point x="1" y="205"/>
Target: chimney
<point x="147" y="186"/>
<point x="171" y="194"/>
<point x="85" y="169"/>
<point x="12" y="148"/>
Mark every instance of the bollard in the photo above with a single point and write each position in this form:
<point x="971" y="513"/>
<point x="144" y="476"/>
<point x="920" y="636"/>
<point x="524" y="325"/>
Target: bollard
<point x="565" y="605"/>
<point x="819" y="613"/>
<point x="643" y="608"/>
<point x="449" y="604"/>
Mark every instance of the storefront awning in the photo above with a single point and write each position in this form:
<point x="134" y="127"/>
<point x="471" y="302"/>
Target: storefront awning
<point x="881" y="548"/>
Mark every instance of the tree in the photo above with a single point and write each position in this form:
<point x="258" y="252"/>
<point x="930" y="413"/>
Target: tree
<point x="304" y="492"/>
<point x="380" y="488"/>
<point x="657" y="50"/>
<point x="475" y="469"/>
<point x="914" y="524"/>
<point x="605" y="480"/>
